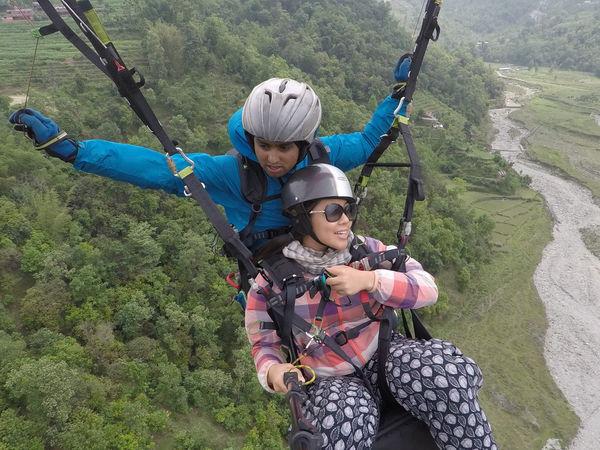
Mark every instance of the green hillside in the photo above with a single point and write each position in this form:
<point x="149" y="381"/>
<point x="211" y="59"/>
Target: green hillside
<point x="552" y="33"/>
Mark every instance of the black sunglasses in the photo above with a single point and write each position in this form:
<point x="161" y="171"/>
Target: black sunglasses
<point x="333" y="212"/>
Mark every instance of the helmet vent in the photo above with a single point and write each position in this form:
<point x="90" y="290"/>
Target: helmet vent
<point x="282" y="86"/>
<point x="290" y="97"/>
<point x="268" y="94"/>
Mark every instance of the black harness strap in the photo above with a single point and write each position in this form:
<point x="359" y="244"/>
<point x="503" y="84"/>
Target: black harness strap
<point x="317" y="151"/>
<point x="388" y="319"/>
<point x="430" y="31"/>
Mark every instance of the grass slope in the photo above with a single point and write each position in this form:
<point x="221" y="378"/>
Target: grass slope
<point x="501" y="322"/>
<point x="56" y="58"/>
<point x="564" y="116"/>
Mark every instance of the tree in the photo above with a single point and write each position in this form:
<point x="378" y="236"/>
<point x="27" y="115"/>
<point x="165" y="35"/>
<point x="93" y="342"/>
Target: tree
<point x="35" y="250"/>
<point x="174" y="331"/>
<point x="13" y="224"/>
<point x="9" y="267"/>
<point x="47" y="390"/>
<point x="18" y="433"/>
<point x="102" y="346"/>
<point x="267" y="432"/>
<point x="44" y="305"/>
<point x="86" y="283"/>
<point x="58" y="347"/>
<point x="50" y="214"/>
<point x="169" y="390"/>
<point x="209" y="388"/>
<point x="87" y="429"/>
<point x="12" y="354"/>
<point x="165" y="45"/>
<point x="132" y="315"/>
<point x="206" y="339"/>
<point x="140" y="251"/>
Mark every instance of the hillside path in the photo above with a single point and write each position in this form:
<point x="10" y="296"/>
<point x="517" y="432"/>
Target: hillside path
<point x="567" y="280"/>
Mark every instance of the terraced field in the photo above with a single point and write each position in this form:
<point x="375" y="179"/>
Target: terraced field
<point x="56" y="61"/>
<point x="563" y="119"/>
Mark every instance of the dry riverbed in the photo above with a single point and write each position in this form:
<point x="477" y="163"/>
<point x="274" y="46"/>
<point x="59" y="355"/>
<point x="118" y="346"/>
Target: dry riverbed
<point x="567" y="279"/>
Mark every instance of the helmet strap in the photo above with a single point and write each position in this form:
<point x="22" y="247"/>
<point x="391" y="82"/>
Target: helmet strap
<point x="314" y="236"/>
<point x="250" y="139"/>
<point x="305" y="226"/>
<point x="302" y="150"/>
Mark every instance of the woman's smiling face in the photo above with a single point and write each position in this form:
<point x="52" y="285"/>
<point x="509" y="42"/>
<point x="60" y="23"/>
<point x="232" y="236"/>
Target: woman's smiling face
<point x="333" y="234"/>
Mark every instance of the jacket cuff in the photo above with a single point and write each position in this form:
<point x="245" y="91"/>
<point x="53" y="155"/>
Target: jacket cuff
<point x="262" y="376"/>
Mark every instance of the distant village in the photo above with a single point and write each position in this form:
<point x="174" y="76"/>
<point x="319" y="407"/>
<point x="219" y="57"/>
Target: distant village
<point x="15" y="14"/>
<point x="429" y="118"/>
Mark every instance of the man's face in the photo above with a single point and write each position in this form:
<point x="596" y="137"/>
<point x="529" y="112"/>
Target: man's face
<point x="276" y="158"/>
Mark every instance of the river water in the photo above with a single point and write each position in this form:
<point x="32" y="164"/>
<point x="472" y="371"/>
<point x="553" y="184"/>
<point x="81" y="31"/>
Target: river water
<point x="567" y="280"/>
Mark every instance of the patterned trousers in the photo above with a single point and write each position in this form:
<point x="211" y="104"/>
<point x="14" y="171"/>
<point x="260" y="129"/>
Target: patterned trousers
<point x="432" y="380"/>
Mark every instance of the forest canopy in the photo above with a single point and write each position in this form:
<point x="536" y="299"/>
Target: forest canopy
<point x="554" y="33"/>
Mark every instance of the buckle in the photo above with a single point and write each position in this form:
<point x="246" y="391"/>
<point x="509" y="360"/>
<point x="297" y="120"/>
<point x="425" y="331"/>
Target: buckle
<point x="341" y="338"/>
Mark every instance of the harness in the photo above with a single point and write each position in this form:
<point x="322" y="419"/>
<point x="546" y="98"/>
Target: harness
<point x="292" y="284"/>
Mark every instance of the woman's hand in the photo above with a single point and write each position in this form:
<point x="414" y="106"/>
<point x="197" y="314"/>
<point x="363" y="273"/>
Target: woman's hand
<point x="275" y="376"/>
<point x="348" y="281"/>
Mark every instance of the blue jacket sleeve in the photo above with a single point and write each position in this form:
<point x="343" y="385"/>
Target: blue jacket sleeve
<point x="148" y="168"/>
<point x="352" y="150"/>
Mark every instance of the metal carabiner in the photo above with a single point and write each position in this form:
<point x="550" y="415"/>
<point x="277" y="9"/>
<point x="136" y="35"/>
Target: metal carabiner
<point x="185" y="157"/>
<point x="399" y="108"/>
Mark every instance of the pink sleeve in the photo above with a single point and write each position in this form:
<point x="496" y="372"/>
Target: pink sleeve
<point x="412" y="289"/>
<point x="266" y="345"/>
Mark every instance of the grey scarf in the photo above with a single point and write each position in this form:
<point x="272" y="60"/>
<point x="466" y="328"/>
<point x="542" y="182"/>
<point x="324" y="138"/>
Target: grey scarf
<point x="316" y="262"/>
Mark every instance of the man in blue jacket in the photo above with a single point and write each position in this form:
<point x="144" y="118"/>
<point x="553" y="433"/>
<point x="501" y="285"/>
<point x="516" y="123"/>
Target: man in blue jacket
<point x="275" y="128"/>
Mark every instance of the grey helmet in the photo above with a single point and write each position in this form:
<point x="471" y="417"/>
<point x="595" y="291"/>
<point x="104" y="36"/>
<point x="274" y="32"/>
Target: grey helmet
<point x="314" y="182"/>
<point x="282" y="110"/>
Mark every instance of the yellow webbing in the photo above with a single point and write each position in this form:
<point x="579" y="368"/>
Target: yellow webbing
<point x="403" y="119"/>
<point x="185" y="172"/>
<point x="96" y="25"/>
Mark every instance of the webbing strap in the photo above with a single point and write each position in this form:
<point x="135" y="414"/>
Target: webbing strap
<point x="387" y="324"/>
<point x="67" y="32"/>
<point x="286" y="323"/>
<point x="53" y="140"/>
<point x="216" y="218"/>
<point x="306" y="327"/>
<point x="430" y="31"/>
<point x="420" y="331"/>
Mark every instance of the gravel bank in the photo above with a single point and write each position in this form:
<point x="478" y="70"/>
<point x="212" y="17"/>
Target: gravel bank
<point x="567" y="280"/>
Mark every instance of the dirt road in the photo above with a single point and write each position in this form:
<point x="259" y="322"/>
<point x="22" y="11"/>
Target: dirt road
<point x="567" y="280"/>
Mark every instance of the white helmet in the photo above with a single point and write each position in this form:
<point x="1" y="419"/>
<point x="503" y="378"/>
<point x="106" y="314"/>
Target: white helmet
<point x="282" y="110"/>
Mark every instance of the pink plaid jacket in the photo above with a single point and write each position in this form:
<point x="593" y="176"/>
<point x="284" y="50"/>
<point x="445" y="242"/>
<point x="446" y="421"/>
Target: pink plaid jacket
<point x="414" y="289"/>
